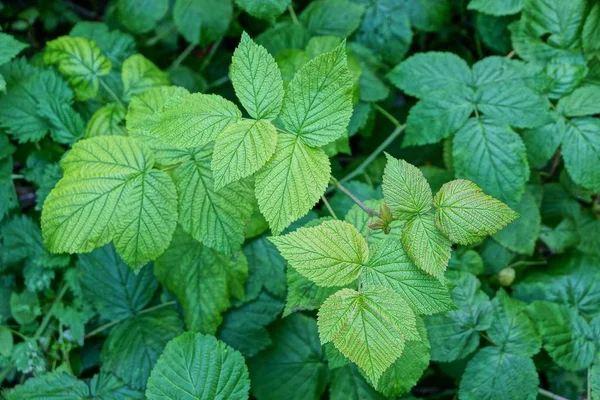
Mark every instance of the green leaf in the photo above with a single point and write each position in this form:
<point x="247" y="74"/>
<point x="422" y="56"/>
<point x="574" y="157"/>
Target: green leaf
<point x="112" y="287"/>
<point x="429" y="15"/>
<point x="496" y="374"/>
<point x="466" y="260"/>
<point x="50" y="386"/>
<point x="267" y="10"/>
<point x="133" y="347"/>
<point x="493" y="156"/>
<point x="266" y="269"/>
<point x="202" y="21"/>
<point x="331" y="254"/>
<point x="80" y="61"/>
<point x="581" y="151"/>
<point x="202" y="279"/>
<point x="405" y="189"/>
<point x="195" y="366"/>
<point x="140" y="74"/>
<point x="425" y="73"/>
<point x="561" y="237"/>
<point x="6" y="341"/>
<point x="496" y="7"/>
<point x="361" y="220"/>
<point x="9" y="47"/>
<point x="256" y="79"/>
<point x="317" y="105"/>
<point x="497" y="70"/>
<point x="465" y="214"/>
<point x="389" y="266"/>
<point x="304" y="294"/>
<point x="143" y="110"/>
<point x="109" y="180"/>
<point x="24" y="307"/>
<point x="284" y="36"/>
<point x="291" y="182"/>
<point x="332" y="17"/>
<point x="195" y="120"/>
<point x="241" y="149"/>
<point x="141" y="18"/>
<point x="107" y="120"/>
<point x="520" y="235"/>
<point x="215" y="218"/>
<point x="243" y="327"/>
<point x="294" y="367"/>
<point x="581" y="102"/>
<point x="561" y="22"/>
<point x="590" y="36"/>
<point x="426" y="246"/>
<point x="543" y="141"/>
<point x="348" y="384"/>
<point x="115" y="45"/>
<point x="370" y="327"/>
<point x="66" y="125"/>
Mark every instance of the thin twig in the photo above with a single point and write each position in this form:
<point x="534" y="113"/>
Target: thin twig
<point x="510" y="55"/>
<point x="589" y="383"/>
<point x="355" y="199"/>
<point x="186" y="52"/>
<point x="293" y="15"/>
<point x="551" y="395"/>
<point x="210" y="54"/>
<point x="328" y="206"/>
<point x="159" y="36"/>
<point x="50" y="312"/>
<point x="386" y="114"/>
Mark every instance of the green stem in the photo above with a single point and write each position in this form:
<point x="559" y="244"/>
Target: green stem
<point x="110" y="92"/>
<point x="50" y="312"/>
<point x="221" y="81"/>
<point x="17" y="176"/>
<point x="589" y="383"/>
<point x="551" y="395"/>
<point x="159" y="36"/>
<point x="329" y="207"/>
<point x="5" y="373"/>
<point x="293" y="15"/>
<point x="113" y="323"/>
<point x="386" y="114"/>
<point x="19" y="334"/>
<point x="210" y="55"/>
<point x="355" y="199"/>
<point x="526" y="263"/>
<point x="186" y="52"/>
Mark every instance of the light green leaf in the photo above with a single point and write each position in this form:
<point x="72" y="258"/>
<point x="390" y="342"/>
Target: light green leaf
<point x="241" y="149"/>
<point x="9" y="47"/>
<point x="202" y="21"/>
<point x="215" y="218"/>
<point x="331" y="254"/>
<point x="202" y="279"/>
<point x="107" y="120"/>
<point x="496" y="374"/>
<point x="291" y="182"/>
<point x="140" y="74"/>
<point x="389" y="266"/>
<point x="114" y="44"/>
<point x="141" y="18"/>
<point x="465" y="214"/>
<point x="405" y="189"/>
<point x="109" y="180"/>
<point x="332" y="17"/>
<point x="581" y="151"/>
<point x="318" y="101"/>
<point x="496" y="7"/>
<point x="268" y="10"/>
<point x="520" y="235"/>
<point x="493" y="156"/>
<point x="80" y="61"/>
<point x="370" y="327"/>
<point x="195" y="366"/>
<point x="133" y="347"/>
<point x="425" y="73"/>
<point x="426" y="246"/>
<point x="295" y="366"/>
<point x="112" y="287"/>
<point x="142" y="113"/>
<point x="581" y="102"/>
<point x="195" y="120"/>
<point x="256" y="79"/>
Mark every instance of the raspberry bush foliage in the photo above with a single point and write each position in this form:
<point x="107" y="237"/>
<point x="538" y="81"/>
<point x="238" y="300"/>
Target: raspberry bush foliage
<point x="344" y="199"/>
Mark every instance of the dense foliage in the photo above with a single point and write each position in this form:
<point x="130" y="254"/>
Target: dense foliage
<point x="206" y="199"/>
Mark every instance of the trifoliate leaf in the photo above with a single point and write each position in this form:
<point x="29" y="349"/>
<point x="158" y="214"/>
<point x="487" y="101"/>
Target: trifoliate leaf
<point x="438" y="116"/>
<point x="291" y="182"/>
<point x="195" y="120"/>
<point x="141" y="18"/>
<point x="195" y="366"/>
<point x="332" y="17"/>
<point x="140" y="74"/>
<point x="266" y="268"/>
<point x="581" y="151"/>
<point x="66" y="125"/>
<point x="425" y="245"/>
<point x="566" y="335"/>
<point x="465" y="214"/>
<point x="202" y="21"/>
<point x="109" y="180"/>
<point x="317" y="105"/>
<point x="389" y="266"/>
<point x="241" y="149"/>
<point x="80" y="61"/>
<point x="9" y="47"/>
<point x="349" y="384"/>
<point x="112" y="287"/>
<point x="267" y="10"/>
<point x="331" y="254"/>
<point x="496" y="374"/>
<point x="521" y="234"/>
<point x="133" y="347"/>
<point x="425" y="73"/>
<point x="215" y="218"/>
<point x="493" y="156"/>
<point x="107" y="120"/>
<point x="243" y="327"/>
<point x="495" y="7"/>
<point x="581" y="102"/>
<point x="256" y="80"/>
<point x="405" y="189"/>
<point x="370" y="327"/>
